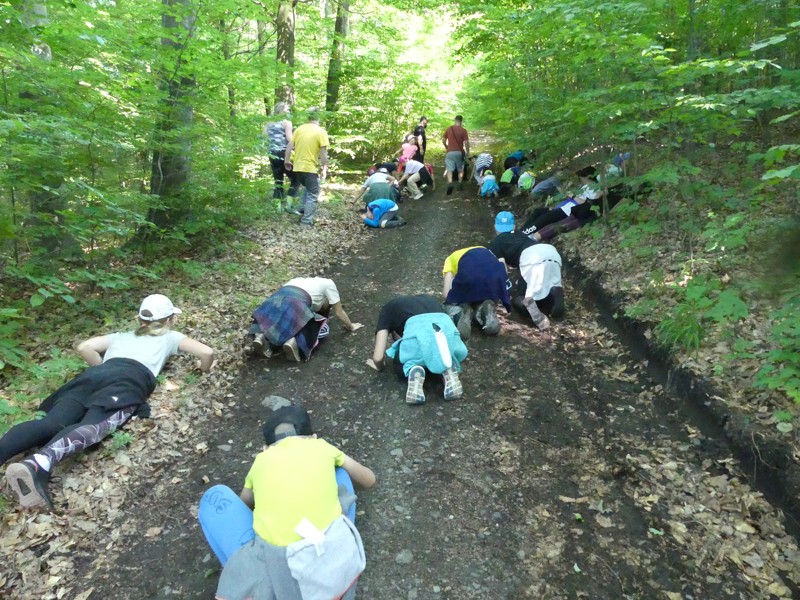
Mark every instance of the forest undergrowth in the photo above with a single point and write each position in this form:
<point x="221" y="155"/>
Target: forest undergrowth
<point x="706" y="262"/>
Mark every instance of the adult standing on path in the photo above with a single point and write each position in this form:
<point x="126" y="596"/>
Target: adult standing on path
<point x="278" y="134"/>
<point x="307" y="149"/>
<point x="456" y="144"/>
<point x="422" y="140"/>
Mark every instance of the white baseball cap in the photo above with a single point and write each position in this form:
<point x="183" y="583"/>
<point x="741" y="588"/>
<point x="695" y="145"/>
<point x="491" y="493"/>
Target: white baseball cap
<point x="156" y="307"/>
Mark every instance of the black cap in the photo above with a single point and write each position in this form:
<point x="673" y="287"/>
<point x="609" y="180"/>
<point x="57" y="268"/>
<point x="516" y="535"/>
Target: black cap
<point x="292" y="415"/>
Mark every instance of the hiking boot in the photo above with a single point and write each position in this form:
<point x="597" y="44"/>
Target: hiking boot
<point x="464" y="324"/>
<point x="460" y="186"/>
<point x="416" y="380"/>
<point x="487" y="318"/>
<point x="291" y="350"/>
<point x="452" y="385"/>
<point x="449" y="190"/>
<point x="29" y="481"/>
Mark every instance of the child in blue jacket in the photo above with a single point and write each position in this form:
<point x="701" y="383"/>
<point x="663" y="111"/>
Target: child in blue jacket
<point x="382" y="213"/>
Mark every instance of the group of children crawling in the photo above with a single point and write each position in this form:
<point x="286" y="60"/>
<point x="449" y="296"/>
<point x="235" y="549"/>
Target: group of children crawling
<point x="287" y="536"/>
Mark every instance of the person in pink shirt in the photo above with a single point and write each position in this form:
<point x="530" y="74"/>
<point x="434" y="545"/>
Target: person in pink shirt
<point x="408" y="150"/>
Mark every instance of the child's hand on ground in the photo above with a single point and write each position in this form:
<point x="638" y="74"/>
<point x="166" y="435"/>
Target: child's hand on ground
<point x="356" y="326"/>
<point x="371" y="364"/>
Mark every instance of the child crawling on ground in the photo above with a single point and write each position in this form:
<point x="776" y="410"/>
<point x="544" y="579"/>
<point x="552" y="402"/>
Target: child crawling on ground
<point x="489" y="187"/>
<point x="382" y="213"/>
<point x="285" y="535"/>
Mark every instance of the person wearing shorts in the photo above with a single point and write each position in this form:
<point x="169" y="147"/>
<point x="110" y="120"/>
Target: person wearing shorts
<point x="456" y="145"/>
<point x="121" y="376"/>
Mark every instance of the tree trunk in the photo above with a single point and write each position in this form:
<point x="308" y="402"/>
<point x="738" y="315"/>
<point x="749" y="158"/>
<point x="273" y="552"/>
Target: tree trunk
<point x="284" y="27"/>
<point x="261" y="28"/>
<point x="47" y="199"/>
<point x="337" y="53"/>
<point x="171" y="157"/>
<point x="226" y="54"/>
<point x="691" y="51"/>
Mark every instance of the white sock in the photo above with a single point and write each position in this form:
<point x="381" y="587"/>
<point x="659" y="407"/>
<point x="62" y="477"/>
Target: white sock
<point x="42" y="461"/>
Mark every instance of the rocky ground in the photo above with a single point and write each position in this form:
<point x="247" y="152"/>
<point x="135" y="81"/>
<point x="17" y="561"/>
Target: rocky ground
<point x="566" y="471"/>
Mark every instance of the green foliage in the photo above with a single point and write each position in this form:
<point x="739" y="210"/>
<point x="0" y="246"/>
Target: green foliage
<point x="682" y="329"/>
<point x="781" y="369"/>
<point x="703" y="300"/>
<point x="120" y="439"/>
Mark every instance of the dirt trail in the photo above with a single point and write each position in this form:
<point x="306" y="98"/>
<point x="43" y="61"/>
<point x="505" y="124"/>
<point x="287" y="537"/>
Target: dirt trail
<point x="554" y="477"/>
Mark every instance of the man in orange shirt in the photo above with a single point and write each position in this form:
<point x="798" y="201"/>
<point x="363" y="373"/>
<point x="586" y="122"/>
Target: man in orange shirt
<point x="456" y="143"/>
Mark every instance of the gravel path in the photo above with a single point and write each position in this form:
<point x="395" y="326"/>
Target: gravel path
<point x="564" y="471"/>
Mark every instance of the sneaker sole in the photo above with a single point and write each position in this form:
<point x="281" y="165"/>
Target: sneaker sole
<point x="491" y="322"/>
<point x="415" y="393"/>
<point x="20" y="480"/>
<point x="291" y="352"/>
<point x="453" y="389"/>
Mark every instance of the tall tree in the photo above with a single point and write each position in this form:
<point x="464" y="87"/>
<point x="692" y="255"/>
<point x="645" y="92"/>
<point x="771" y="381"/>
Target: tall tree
<point x="171" y="156"/>
<point x="337" y="53"/>
<point x="285" y="28"/>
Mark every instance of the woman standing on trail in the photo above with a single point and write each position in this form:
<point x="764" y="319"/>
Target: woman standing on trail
<point x="294" y="318"/>
<point x="121" y="376"/>
<point x="278" y="134"/>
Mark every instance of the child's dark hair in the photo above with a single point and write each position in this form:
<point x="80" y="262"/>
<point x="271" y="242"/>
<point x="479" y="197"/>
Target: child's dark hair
<point x="296" y="419"/>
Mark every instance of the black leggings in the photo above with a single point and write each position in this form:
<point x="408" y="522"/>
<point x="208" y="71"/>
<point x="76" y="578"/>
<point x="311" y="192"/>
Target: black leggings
<point x="278" y="173"/>
<point x="68" y="428"/>
<point x="541" y="217"/>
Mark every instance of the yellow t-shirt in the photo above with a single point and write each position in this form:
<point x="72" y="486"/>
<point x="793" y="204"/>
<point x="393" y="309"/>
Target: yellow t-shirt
<point x="307" y="141"/>
<point x="451" y="262"/>
<point x="292" y="480"/>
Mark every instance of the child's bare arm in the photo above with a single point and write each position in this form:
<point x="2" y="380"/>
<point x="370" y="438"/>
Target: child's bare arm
<point x="362" y="476"/>
<point x="248" y="498"/>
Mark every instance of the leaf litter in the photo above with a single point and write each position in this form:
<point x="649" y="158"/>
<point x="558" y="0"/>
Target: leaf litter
<point x="43" y="553"/>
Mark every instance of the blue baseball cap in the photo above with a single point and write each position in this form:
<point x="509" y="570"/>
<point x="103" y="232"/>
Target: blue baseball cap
<point x="504" y="222"/>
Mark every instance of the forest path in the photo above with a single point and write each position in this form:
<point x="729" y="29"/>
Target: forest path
<point x="557" y="475"/>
